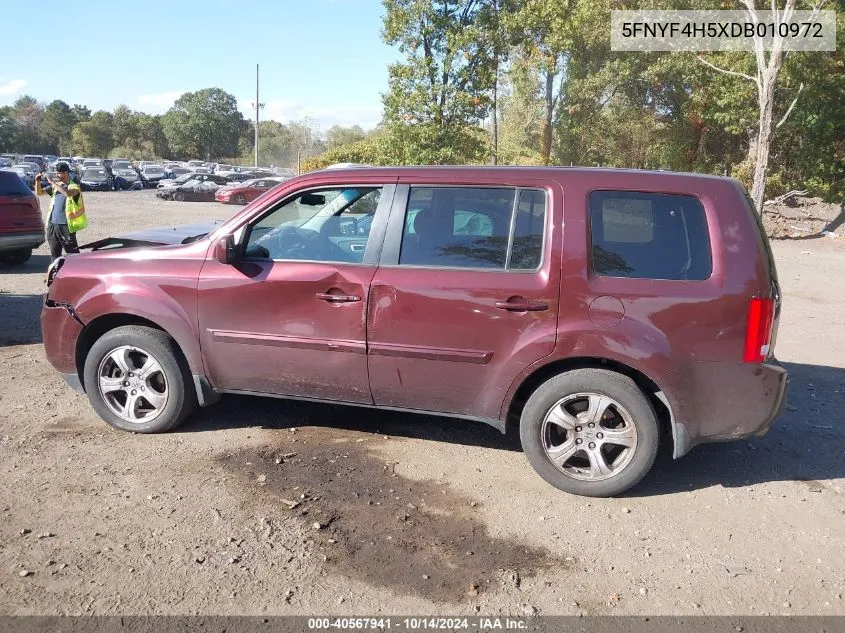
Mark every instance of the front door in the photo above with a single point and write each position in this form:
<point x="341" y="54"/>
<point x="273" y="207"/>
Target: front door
<point x="289" y="317"/>
<point x="466" y="296"/>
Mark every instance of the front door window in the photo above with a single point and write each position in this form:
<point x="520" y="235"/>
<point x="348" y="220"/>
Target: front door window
<point x="328" y="225"/>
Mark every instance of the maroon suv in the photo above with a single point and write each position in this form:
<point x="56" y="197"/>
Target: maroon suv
<point x="593" y="308"/>
<point x="21" y="226"/>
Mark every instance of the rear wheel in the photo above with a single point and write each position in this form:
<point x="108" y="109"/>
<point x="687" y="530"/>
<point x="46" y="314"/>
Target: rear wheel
<point x="179" y="196"/>
<point x="590" y="432"/>
<point x="136" y="380"/>
<point x="17" y="257"/>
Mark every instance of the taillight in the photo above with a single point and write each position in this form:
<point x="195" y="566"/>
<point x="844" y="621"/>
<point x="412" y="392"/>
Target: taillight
<point x="758" y="335"/>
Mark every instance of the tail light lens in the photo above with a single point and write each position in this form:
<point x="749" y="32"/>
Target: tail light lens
<point x="758" y="334"/>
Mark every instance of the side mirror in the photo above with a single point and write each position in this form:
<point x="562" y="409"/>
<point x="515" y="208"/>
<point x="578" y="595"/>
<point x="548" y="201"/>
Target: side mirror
<point x="224" y="250"/>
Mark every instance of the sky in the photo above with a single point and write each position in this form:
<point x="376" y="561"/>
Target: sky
<point x="318" y="58"/>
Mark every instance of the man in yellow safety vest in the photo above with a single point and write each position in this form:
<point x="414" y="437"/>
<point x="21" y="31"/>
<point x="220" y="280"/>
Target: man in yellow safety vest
<point x="67" y="210"/>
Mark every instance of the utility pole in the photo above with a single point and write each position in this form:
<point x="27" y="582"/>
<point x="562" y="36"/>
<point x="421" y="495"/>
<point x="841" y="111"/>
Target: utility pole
<point x="258" y="105"/>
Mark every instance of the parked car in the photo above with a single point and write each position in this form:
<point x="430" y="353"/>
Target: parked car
<point x="248" y="191"/>
<point x="125" y="176"/>
<point x="5" y="163"/>
<point x="219" y="180"/>
<point x="151" y="175"/>
<point x="92" y="162"/>
<point x="656" y="310"/>
<point x="190" y="191"/>
<point x="95" y="179"/>
<point x="171" y="172"/>
<point x="35" y="159"/>
<point x="21" y="225"/>
<point x="25" y="172"/>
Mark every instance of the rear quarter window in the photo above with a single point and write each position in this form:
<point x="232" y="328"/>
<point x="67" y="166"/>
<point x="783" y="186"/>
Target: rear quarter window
<point x="12" y="185"/>
<point x="649" y="236"/>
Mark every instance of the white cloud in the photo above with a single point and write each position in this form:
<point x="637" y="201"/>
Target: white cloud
<point x="11" y="87"/>
<point x="285" y="111"/>
<point x="159" y="103"/>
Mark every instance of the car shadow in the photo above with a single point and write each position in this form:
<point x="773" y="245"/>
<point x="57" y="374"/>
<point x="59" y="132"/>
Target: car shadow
<point x="236" y="411"/>
<point x="21" y="318"/>
<point x="804" y="444"/>
<point x="35" y="264"/>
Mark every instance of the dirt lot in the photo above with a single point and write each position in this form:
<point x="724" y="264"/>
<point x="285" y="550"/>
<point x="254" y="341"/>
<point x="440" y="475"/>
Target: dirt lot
<point x="415" y="515"/>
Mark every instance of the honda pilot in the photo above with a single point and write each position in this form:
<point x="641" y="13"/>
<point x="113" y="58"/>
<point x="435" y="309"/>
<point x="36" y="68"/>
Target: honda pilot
<point x="591" y="310"/>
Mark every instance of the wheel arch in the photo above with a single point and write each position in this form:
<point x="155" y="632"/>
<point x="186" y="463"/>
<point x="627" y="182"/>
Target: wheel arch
<point x="541" y="374"/>
<point x="99" y="326"/>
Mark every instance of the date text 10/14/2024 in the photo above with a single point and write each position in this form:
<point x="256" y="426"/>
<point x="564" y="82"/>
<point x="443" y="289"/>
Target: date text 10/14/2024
<point x="416" y="624"/>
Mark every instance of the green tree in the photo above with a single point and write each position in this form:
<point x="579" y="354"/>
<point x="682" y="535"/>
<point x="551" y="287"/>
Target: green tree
<point x="8" y="133"/>
<point x="57" y="126"/>
<point x="27" y="115"/>
<point x="93" y="137"/>
<point x="124" y="130"/>
<point x="444" y="85"/>
<point x="339" y="135"/>
<point x="205" y="123"/>
<point x="81" y="112"/>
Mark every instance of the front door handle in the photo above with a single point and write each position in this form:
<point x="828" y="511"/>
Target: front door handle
<point x="327" y="296"/>
<point x="522" y="306"/>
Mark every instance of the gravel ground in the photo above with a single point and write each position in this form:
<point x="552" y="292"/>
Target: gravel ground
<point x="260" y="506"/>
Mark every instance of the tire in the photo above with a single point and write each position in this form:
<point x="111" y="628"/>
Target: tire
<point x="16" y="258"/>
<point x="239" y="199"/>
<point x="624" y="439"/>
<point x="179" y="196"/>
<point x="170" y="383"/>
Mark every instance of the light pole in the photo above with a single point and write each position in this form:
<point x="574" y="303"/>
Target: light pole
<point x="258" y="105"/>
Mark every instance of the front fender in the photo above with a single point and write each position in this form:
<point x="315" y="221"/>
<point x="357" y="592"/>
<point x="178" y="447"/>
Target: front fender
<point x="172" y="306"/>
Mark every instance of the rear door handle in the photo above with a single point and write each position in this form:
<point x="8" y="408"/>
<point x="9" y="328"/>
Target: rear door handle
<point x="325" y="296"/>
<point x="523" y="306"/>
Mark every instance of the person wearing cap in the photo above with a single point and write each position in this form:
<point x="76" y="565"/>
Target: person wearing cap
<point x="67" y="210"/>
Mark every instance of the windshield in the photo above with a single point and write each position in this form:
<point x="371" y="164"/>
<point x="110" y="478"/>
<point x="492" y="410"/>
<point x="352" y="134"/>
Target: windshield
<point x="94" y="173"/>
<point x="121" y="165"/>
<point x="154" y="171"/>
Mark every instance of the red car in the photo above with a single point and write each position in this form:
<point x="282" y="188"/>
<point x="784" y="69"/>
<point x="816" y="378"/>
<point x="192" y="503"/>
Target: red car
<point x="21" y="225"/>
<point x="591" y="309"/>
<point x="247" y="191"/>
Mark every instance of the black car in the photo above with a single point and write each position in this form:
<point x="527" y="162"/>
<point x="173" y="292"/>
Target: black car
<point x="96" y="179"/>
<point x="218" y="180"/>
<point x="193" y="190"/>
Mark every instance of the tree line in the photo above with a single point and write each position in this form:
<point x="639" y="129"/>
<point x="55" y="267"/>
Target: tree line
<point x="205" y="124"/>
<point x="535" y="82"/>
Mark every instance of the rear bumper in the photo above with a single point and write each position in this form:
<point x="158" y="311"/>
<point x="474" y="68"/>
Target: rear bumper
<point x="719" y="402"/>
<point x="30" y="239"/>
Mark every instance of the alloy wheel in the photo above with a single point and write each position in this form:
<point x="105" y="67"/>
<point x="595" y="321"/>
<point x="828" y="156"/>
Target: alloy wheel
<point x="133" y="385"/>
<point x="589" y="436"/>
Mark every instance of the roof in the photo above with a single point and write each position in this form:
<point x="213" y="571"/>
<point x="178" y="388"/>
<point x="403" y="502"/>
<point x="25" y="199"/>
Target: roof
<point x="521" y="172"/>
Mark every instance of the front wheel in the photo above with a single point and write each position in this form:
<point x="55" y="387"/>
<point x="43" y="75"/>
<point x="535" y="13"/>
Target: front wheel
<point x="590" y="432"/>
<point x="136" y="380"/>
<point x="179" y="196"/>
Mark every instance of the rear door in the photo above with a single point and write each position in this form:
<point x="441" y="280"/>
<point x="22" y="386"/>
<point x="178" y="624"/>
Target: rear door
<point x="466" y="296"/>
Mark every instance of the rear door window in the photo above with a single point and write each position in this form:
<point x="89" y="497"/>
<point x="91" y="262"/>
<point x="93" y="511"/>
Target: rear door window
<point x="12" y="185"/>
<point x="473" y="227"/>
<point x="649" y="236"/>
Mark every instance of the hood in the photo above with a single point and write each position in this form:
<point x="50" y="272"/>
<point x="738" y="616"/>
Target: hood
<point x="182" y="234"/>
